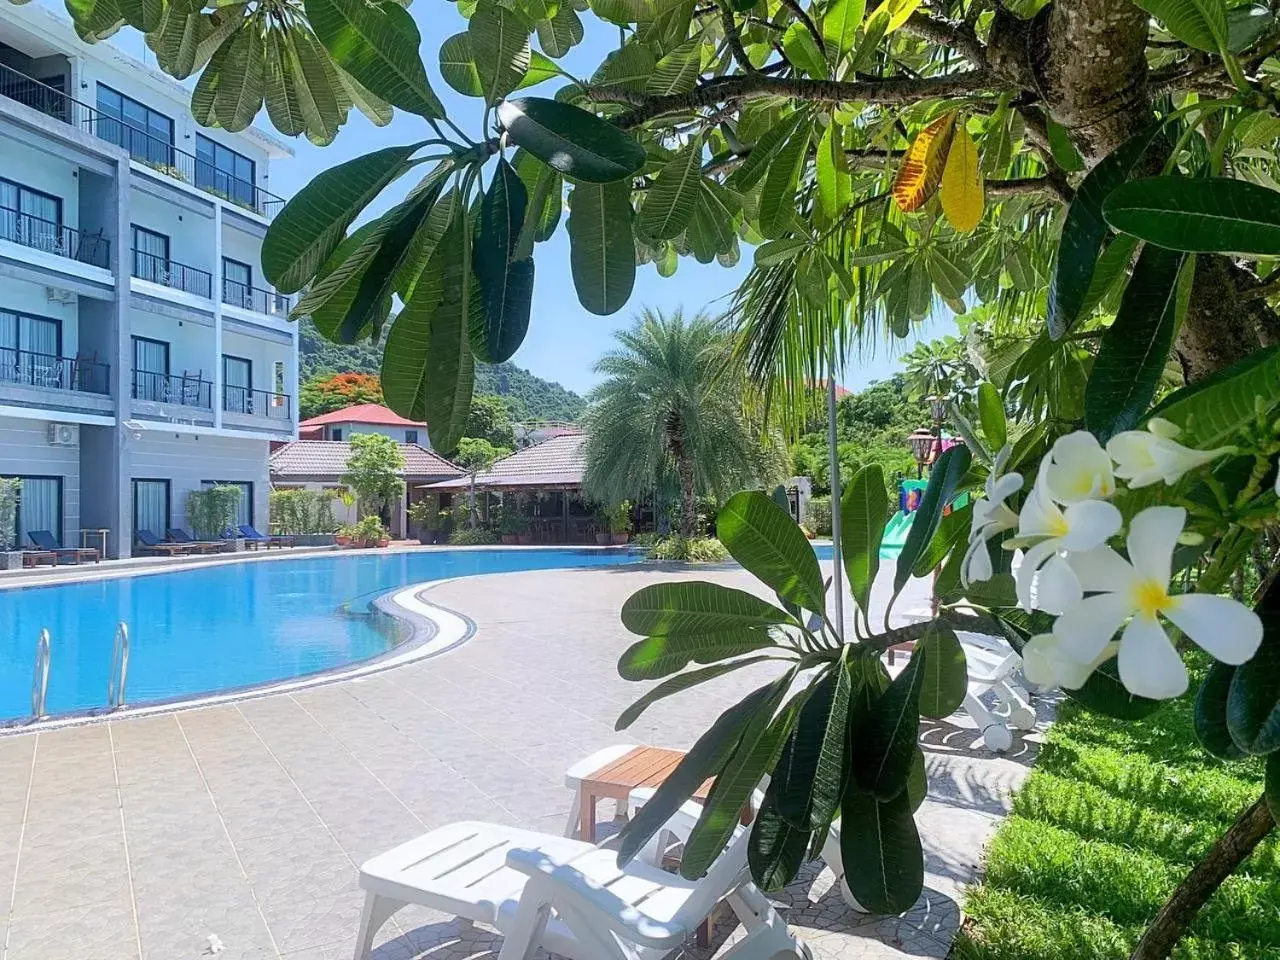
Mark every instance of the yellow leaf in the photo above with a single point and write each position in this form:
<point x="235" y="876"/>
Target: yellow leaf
<point x="899" y="12"/>
<point x="922" y="167"/>
<point x="962" y="198"/>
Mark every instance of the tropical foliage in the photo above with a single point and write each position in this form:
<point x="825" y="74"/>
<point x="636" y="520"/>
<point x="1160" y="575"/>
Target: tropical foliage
<point x="299" y="512"/>
<point x="325" y="394"/>
<point x="212" y="510"/>
<point x="668" y="416"/>
<point x="10" y="488"/>
<point x="689" y="550"/>
<point x="373" y="471"/>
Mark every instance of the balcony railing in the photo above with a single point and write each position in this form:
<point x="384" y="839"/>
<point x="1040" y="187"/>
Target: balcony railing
<point x="142" y="146"/>
<point x="241" y="295"/>
<point x="51" y="237"/>
<point x="170" y="388"/>
<point x="50" y="372"/>
<point x="255" y="403"/>
<point x="171" y="273"/>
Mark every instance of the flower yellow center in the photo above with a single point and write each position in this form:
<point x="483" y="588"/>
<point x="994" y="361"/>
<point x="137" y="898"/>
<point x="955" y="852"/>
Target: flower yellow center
<point x="1058" y="526"/>
<point x="1151" y="597"/>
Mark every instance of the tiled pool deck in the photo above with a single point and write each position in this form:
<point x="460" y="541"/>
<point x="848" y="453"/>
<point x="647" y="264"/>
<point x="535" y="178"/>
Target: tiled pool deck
<point x="144" y="837"/>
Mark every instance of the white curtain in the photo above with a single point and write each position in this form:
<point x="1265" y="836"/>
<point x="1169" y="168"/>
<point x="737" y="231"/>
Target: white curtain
<point x="151" y="506"/>
<point x="40" y="507"/>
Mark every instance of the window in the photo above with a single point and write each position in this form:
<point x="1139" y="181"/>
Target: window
<point x="335" y="433"/>
<point x="30" y="217"/>
<point x="224" y="171"/>
<point x="150" y="369"/>
<point x="145" y="133"/>
<point x="150" y="255"/>
<point x="237" y="384"/>
<point x="244" y="509"/>
<point x="237" y="283"/>
<point x="151" y="507"/>
<point x="411" y="436"/>
<point x="39" y="507"/>
<point x="30" y="350"/>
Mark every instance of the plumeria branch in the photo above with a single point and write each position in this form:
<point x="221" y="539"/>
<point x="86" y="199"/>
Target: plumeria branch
<point x="956" y="34"/>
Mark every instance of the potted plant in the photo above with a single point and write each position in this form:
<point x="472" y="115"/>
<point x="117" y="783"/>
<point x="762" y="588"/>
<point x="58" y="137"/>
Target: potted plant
<point x="513" y="527"/>
<point x="620" y="525"/>
<point x="426" y="517"/>
<point x="370" y="532"/>
<point x="10" y="555"/>
<point x="603" y="536"/>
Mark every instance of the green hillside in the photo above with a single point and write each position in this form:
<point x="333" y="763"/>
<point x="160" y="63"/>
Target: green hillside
<point x="529" y="397"/>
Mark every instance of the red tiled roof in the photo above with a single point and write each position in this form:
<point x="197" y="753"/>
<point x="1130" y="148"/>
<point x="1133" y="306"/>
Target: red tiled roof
<point x="557" y="462"/>
<point x="371" y="413"/>
<point x="327" y="459"/>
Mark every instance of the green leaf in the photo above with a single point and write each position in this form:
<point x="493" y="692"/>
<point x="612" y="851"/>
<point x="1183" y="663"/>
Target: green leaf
<point x="95" y="19"/>
<point x="144" y="15"/>
<point x="1253" y="699"/>
<point x="778" y="199"/>
<point x="458" y="66"/>
<point x="404" y="359"/>
<point x="679" y="683"/>
<point x="670" y="200"/>
<point x="1215" y="408"/>
<point x="578" y="144"/>
<point x="841" y="22"/>
<point x="945" y="674"/>
<point x="450" y="371"/>
<point x="422" y="248"/>
<point x="1104" y="693"/>
<point x="628" y="68"/>
<point x="1215" y="215"/>
<point x="499" y="47"/>
<point x="312" y="224"/>
<point x="776" y="849"/>
<point x="883" y="745"/>
<point x="506" y="287"/>
<point x="1210" y="716"/>
<point x="540" y="70"/>
<point x="376" y="41"/>
<point x="1198" y="23"/>
<point x="176" y="42"/>
<point x="953" y="529"/>
<point x="1084" y="230"/>
<point x="1132" y="353"/>
<point x="864" y="511"/>
<point x="317" y="97"/>
<point x="705" y="759"/>
<point x="877" y="27"/>
<point x="880" y="842"/>
<point x="944" y="480"/>
<point x="991" y="414"/>
<point x="755" y="754"/>
<point x="561" y="33"/>
<point x="602" y="250"/>
<point x="774" y="252"/>
<point x="546" y="189"/>
<point x="1064" y="151"/>
<point x="375" y="109"/>
<point x="803" y="51"/>
<point x="1271" y="785"/>
<point x="661" y="656"/>
<point x="677" y="72"/>
<point x="771" y="143"/>
<point x="695" y="608"/>
<point x="239" y="95"/>
<point x="281" y="94"/>
<point x="810" y="775"/>
<point x="762" y="537"/>
<point x="835" y="188"/>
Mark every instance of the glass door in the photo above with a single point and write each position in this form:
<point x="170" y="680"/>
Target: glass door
<point x="39" y="507"/>
<point x="237" y="283"/>
<point x="150" y="369"/>
<point x="237" y="385"/>
<point x="151" y="507"/>
<point x="150" y="255"/>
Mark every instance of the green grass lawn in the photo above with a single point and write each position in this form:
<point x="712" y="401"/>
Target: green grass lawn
<point x="1111" y="818"/>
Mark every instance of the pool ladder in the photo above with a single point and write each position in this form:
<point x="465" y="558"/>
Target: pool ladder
<point x="119" y="668"/>
<point x="40" y="677"/>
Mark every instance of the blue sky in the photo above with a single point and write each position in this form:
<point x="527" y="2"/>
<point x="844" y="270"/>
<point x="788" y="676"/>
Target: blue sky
<point x="564" y="340"/>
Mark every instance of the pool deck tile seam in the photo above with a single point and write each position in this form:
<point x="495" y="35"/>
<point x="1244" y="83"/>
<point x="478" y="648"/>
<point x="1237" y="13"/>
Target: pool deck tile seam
<point x="17" y="860"/>
<point x="124" y="836"/>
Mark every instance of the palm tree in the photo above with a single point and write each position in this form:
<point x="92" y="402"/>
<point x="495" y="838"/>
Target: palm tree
<point x="671" y="407"/>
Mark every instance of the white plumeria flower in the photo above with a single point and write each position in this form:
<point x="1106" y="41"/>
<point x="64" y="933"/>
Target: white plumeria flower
<point x="1139" y="588"/>
<point x="991" y="517"/>
<point x="1047" y="662"/>
<point x="1078" y="470"/>
<point x="1144" y="457"/>
<point x="1081" y="526"/>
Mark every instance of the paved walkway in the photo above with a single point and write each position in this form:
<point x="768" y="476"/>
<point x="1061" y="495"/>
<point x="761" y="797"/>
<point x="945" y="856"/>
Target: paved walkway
<point x="142" y="838"/>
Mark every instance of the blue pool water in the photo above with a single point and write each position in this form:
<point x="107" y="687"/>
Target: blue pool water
<point x="203" y="630"/>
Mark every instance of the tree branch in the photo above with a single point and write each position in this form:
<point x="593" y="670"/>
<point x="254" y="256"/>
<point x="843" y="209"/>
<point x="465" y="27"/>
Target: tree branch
<point x="1023" y="186"/>
<point x="803" y="16"/>
<point x="956" y="34"/>
<point x="734" y="39"/>
<point x="895" y="90"/>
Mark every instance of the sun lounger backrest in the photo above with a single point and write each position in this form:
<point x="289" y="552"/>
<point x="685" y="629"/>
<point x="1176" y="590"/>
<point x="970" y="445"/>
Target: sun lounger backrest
<point x="43" y="539"/>
<point x="725" y="875"/>
<point x="147" y="538"/>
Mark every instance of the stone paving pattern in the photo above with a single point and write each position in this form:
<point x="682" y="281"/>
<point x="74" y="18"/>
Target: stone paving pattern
<point x="140" y="838"/>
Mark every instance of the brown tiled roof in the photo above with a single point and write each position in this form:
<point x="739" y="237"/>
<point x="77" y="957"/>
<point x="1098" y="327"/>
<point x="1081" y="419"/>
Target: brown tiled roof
<point x="557" y="462"/>
<point x="327" y="459"/>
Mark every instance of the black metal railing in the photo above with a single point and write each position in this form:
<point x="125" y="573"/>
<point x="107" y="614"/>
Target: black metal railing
<point x="237" y="294"/>
<point x="51" y="237"/>
<point x="31" y="369"/>
<point x="142" y="146"/>
<point x="170" y="388"/>
<point x="255" y="403"/>
<point x="171" y="273"/>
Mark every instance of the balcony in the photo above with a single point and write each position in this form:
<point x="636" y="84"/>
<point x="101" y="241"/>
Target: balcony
<point x="170" y="388"/>
<point x="261" y="404"/>
<point x="171" y="273"/>
<point x="236" y="294"/>
<point x="50" y="237"/>
<point x="48" y="372"/>
<point x="142" y="146"/>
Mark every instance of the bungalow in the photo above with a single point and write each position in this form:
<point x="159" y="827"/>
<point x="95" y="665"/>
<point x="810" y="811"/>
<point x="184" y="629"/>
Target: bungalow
<point x="364" y="418"/>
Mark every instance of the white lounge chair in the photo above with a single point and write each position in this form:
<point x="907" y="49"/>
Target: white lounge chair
<point x="569" y="897"/>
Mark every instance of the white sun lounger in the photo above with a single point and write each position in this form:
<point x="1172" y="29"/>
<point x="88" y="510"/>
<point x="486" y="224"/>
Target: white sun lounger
<point x="567" y="896"/>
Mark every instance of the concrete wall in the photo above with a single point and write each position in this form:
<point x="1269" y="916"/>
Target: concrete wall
<point x="26" y="163"/>
<point x="25" y="451"/>
<point x="395" y="433"/>
<point x="103" y="501"/>
<point x="262" y="353"/>
<point x="185" y="460"/>
<point x="191" y="239"/>
<point x="190" y="342"/>
<point x="246" y="248"/>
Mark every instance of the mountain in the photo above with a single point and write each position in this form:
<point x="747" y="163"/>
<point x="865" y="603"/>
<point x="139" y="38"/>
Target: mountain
<point x="529" y="396"/>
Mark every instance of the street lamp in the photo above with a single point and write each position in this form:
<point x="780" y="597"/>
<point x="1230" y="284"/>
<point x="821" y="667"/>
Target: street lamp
<point x="922" y="442"/>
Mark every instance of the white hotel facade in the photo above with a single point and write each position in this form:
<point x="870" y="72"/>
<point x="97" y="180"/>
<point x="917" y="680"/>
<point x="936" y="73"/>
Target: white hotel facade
<point x="142" y="355"/>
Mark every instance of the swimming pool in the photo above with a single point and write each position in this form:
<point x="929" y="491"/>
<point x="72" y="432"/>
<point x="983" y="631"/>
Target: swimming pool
<point x="221" y="627"/>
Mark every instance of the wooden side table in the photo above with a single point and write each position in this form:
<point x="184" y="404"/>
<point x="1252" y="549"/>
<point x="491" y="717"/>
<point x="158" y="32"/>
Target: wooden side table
<point x="101" y="533"/>
<point x="641" y="767"/>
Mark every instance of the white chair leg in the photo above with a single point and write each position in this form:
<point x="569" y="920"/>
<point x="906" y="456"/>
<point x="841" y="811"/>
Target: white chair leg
<point x="377" y="911"/>
<point x="522" y="942"/>
<point x="994" y="732"/>
<point x="1022" y="716"/>
<point x="767" y="935"/>
<point x="574" y="822"/>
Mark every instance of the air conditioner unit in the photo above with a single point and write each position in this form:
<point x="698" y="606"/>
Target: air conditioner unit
<point x="58" y="295"/>
<point x="64" y="434"/>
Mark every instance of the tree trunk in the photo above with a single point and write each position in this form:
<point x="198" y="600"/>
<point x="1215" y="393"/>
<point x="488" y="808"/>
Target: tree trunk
<point x="689" y="506"/>
<point x="1199" y="885"/>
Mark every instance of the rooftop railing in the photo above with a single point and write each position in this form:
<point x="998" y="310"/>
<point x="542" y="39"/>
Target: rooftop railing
<point x="33" y="369"/>
<point x="171" y="273"/>
<point x="142" y="145"/>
